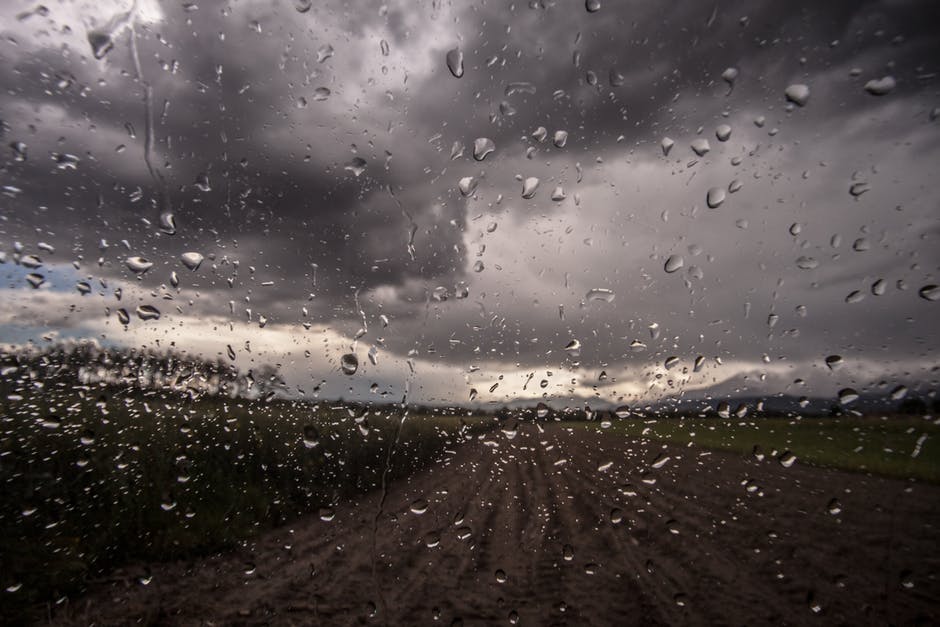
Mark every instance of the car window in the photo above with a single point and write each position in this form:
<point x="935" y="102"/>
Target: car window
<point x="537" y="312"/>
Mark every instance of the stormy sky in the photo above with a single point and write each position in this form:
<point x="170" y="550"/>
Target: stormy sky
<point x="320" y="157"/>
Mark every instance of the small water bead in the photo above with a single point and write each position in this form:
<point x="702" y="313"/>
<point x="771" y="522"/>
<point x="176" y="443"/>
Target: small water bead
<point x="560" y="139"/>
<point x="321" y="93"/>
<point x="592" y="6"/>
<point x="807" y="263"/>
<point x="419" y="507"/>
<point x="723" y="132"/>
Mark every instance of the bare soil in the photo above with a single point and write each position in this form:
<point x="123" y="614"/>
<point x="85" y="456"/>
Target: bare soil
<point x="526" y="529"/>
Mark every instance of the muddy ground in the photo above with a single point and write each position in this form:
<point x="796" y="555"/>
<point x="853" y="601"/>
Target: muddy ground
<point x="536" y="530"/>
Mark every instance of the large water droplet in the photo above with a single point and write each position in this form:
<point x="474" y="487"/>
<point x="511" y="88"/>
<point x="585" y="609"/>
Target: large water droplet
<point x="303" y="6"/>
<point x="673" y="263"/>
<point x="349" y="363"/>
<point x="930" y="292"/>
<point x="356" y="165"/>
<point x="138" y="265"/>
<point x="715" y="196"/>
<point x="881" y="86"/>
<point x="455" y="62"/>
<point x="192" y="260"/>
<point x="560" y="139"/>
<point x="592" y="6"/>
<point x="600" y="293"/>
<point x="807" y="263"/>
<point x="321" y="93"/>
<point x="148" y="312"/>
<point x="467" y="185"/>
<point x="797" y="93"/>
<point x="324" y="53"/>
<point x="483" y="146"/>
<point x="667" y="145"/>
<point x="101" y="43"/>
<point x="311" y="436"/>
<point x="834" y="362"/>
<point x="847" y="396"/>
<point x="529" y="186"/>
<point x="700" y="146"/>
<point x="723" y="132"/>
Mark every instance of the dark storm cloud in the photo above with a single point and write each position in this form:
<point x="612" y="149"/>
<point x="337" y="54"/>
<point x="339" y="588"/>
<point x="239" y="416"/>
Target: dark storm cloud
<point x="282" y="204"/>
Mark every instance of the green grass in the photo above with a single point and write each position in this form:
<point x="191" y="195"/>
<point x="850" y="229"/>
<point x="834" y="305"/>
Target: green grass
<point x="881" y="446"/>
<point x="119" y="476"/>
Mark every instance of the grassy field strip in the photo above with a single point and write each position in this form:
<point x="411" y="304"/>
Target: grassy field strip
<point x="896" y="446"/>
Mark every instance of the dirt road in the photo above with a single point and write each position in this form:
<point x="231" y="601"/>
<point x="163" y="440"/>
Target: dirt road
<point x="573" y="527"/>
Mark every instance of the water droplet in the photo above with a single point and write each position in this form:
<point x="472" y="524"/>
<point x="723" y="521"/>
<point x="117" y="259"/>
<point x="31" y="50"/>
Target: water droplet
<point x="83" y="287"/>
<point x="930" y="292"/>
<point x="311" y="436"/>
<point x="478" y="266"/>
<point x="138" y="265"/>
<point x="734" y="186"/>
<point x="541" y="410"/>
<point x="321" y="93"/>
<point x="879" y="287"/>
<point x="123" y="316"/>
<point x="482" y="146"/>
<point x="671" y="362"/>
<point x="500" y="576"/>
<point x="540" y="134"/>
<point x="455" y="62"/>
<point x="148" y="312"/>
<point x="356" y="165"/>
<point x="847" y="396"/>
<point x="714" y="197"/>
<point x="349" y="363"/>
<point x="324" y="53"/>
<point x="168" y="223"/>
<point x="730" y="75"/>
<point x="192" y="260"/>
<point x="667" y="145"/>
<point x="881" y="86"/>
<point x="592" y="6"/>
<point x="383" y="46"/>
<point x="327" y="514"/>
<point x="798" y="94"/>
<point x="529" y="186"/>
<point x="699" y="363"/>
<point x="723" y="132"/>
<point x="202" y="182"/>
<point x="19" y="151"/>
<point x="600" y="293"/>
<point x="834" y="507"/>
<point x="467" y="185"/>
<point x="473" y="394"/>
<point x="786" y="459"/>
<point x="855" y="296"/>
<point x="807" y="263"/>
<point x="573" y="347"/>
<point x="560" y="139"/>
<point x="101" y="43"/>
<point x="673" y="263"/>
<point x="65" y="161"/>
<point x="859" y="188"/>
<point x="35" y="280"/>
<point x="700" y="146"/>
<point x="419" y="506"/>
<point x="303" y="6"/>
<point x="834" y="361"/>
